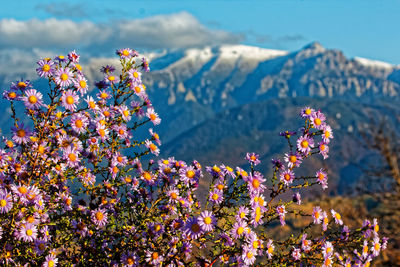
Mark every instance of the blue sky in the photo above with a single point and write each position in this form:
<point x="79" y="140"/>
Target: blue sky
<point x="359" y="28"/>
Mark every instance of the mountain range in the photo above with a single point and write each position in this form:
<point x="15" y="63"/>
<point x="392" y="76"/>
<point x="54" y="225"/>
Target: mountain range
<point x="217" y="103"/>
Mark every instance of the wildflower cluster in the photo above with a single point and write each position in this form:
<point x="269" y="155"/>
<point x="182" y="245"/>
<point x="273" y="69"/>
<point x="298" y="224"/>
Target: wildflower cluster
<point x="74" y="189"/>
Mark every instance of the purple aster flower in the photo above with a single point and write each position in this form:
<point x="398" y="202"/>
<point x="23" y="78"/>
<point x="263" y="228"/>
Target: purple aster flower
<point x="125" y="53"/>
<point x="306" y="112"/>
<point x="253" y="158"/>
<point x="327" y="134"/>
<point x="21" y="134"/>
<point x="155" y="136"/>
<point x="125" y="113"/>
<point x="79" y="122"/>
<point x="192" y="228"/>
<point x="296" y="254"/>
<point x="325" y="221"/>
<point x="256" y="216"/>
<point x="215" y="196"/>
<point x="46" y="68"/>
<point x="73" y="57"/>
<point x="327" y="249"/>
<point x="5" y="201"/>
<point x="305" y="243"/>
<point x="287" y="177"/>
<point x="50" y="261"/>
<point x="249" y="255"/>
<point x="322" y="178"/>
<point x="287" y="134"/>
<point x="153" y="148"/>
<point x="107" y="69"/>
<point x="71" y="155"/>
<point x="129" y="259"/>
<point x="103" y="95"/>
<point x="207" y="221"/>
<point x="337" y="217"/>
<point x="242" y="213"/>
<point x="145" y="65"/>
<point x="99" y="217"/>
<point x="153" y="116"/>
<point x="293" y="159"/>
<point x="317" y="215"/>
<point x="277" y="164"/>
<point x="238" y="229"/>
<point x="304" y="144"/>
<point x="255" y="183"/>
<point x="11" y="95"/>
<point x="135" y="76"/>
<point x="40" y="246"/>
<point x="63" y="77"/>
<point x="21" y="85"/>
<point x="318" y="120"/>
<point x="27" y="232"/>
<point x="281" y="212"/>
<point x="189" y="174"/>
<point x="32" y="99"/>
<point x="323" y="149"/>
<point x="270" y="248"/>
<point x="69" y="100"/>
<point x="111" y="78"/>
<point x="80" y="83"/>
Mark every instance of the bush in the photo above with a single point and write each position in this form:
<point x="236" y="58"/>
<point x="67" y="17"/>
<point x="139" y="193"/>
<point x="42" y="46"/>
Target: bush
<point x="75" y="190"/>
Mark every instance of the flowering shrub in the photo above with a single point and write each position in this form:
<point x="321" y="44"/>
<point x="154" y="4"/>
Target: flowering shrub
<point x="74" y="191"/>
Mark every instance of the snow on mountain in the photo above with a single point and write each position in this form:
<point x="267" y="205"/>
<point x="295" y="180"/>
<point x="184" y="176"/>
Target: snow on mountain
<point x="374" y="63"/>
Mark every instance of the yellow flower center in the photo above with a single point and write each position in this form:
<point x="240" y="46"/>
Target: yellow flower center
<point x="190" y="174"/>
<point x="82" y="84"/>
<point x="102" y="132"/>
<point x="255" y="183"/>
<point x="327" y="134"/>
<point x="153" y="147"/>
<point x="253" y="158"/>
<point x="99" y="216"/>
<point x="129" y="261"/>
<point x="287" y="177"/>
<point x="337" y="215"/>
<point x="377" y="246"/>
<point x="174" y="195"/>
<point x="249" y="255"/>
<point x="316" y="214"/>
<point x="115" y="169"/>
<point x="64" y="77"/>
<point x="270" y="250"/>
<point x="137" y="89"/>
<point x="229" y="169"/>
<point x="92" y="104"/>
<point x="21" y="85"/>
<point x="215" y="196"/>
<point x="304" y="144"/>
<point x="255" y="244"/>
<point x="154" y="255"/>
<point x="72" y="157"/>
<point x="216" y="169"/>
<point x="23" y="190"/>
<point x="220" y="186"/>
<point x="242" y="215"/>
<point x="111" y="78"/>
<point x="79" y="67"/>
<point x="147" y="176"/>
<point x="293" y="159"/>
<point x="29" y="232"/>
<point x="153" y="117"/>
<point x="40" y="149"/>
<point x="125" y="52"/>
<point x="78" y="123"/>
<point x="240" y="230"/>
<point x="207" y="220"/>
<point x="46" y="67"/>
<point x="30" y="219"/>
<point x="135" y="74"/>
<point x="103" y="95"/>
<point x="12" y="95"/>
<point x="3" y="203"/>
<point x="376" y="228"/>
<point x="317" y="121"/>
<point x="121" y="131"/>
<point x="70" y="100"/>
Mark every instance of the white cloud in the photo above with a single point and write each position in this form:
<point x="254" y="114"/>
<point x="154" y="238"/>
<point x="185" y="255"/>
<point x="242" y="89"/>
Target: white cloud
<point x="164" y="31"/>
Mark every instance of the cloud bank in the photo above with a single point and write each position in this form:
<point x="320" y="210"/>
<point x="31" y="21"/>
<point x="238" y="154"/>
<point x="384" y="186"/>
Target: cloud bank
<point x="178" y="30"/>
